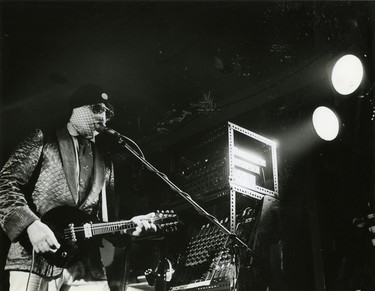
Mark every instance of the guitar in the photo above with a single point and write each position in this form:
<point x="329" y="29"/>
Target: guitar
<point x="76" y="232"/>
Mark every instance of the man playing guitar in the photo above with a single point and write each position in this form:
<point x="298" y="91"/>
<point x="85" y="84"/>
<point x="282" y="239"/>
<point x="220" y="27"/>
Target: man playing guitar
<point x="52" y="173"/>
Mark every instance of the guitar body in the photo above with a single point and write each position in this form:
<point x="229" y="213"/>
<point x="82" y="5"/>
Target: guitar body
<point x="59" y="219"/>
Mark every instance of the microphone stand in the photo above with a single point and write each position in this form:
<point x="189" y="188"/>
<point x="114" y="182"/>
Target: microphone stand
<point x="121" y="140"/>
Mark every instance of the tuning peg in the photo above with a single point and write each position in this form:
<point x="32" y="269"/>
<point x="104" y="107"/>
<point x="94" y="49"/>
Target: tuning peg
<point x="151" y="277"/>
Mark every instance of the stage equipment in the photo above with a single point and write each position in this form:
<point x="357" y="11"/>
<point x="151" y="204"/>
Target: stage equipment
<point x="368" y="223"/>
<point x="252" y="166"/>
<point x="210" y="261"/>
<point x="226" y="161"/>
<point x="347" y="74"/>
<point x="229" y="170"/>
<point x="326" y="123"/>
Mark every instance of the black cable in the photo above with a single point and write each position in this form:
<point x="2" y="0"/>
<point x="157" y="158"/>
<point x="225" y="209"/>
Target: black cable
<point x="31" y="269"/>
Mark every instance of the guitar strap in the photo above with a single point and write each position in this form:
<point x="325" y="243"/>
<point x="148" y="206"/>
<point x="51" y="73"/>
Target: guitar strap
<point x="104" y="204"/>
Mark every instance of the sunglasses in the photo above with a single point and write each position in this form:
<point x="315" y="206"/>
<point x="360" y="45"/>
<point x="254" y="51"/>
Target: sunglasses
<point x="100" y="108"/>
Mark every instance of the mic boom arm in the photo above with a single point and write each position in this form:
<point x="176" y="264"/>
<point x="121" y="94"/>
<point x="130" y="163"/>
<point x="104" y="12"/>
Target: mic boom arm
<point x="121" y="140"/>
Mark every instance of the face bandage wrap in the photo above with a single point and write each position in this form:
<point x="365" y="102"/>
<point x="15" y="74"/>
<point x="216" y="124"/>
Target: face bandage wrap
<point x="83" y="120"/>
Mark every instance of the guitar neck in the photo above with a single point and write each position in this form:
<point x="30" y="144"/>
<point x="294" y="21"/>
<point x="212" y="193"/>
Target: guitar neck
<point x="89" y="229"/>
<point x="110" y="227"/>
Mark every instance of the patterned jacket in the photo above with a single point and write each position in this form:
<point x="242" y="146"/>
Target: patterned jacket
<point x="39" y="176"/>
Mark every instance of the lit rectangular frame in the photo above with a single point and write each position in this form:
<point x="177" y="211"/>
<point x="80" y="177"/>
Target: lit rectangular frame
<point x="257" y="160"/>
<point x="252" y="189"/>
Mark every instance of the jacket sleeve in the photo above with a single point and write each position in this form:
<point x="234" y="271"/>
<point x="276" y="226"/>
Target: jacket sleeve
<point x="15" y="212"/>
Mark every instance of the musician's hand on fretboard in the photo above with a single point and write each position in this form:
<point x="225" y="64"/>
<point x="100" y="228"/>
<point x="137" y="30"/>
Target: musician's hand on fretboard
<point x="144" y="225"/>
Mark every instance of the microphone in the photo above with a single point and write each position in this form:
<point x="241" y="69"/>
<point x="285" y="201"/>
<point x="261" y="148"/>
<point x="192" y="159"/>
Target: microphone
<point x="101" y="128"/>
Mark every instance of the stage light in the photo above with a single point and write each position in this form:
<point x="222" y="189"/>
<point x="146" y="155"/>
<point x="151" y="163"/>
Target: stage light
<point x="347" y="74"/>
<point x="247" y="167"/>
<point x="249" y="156"/>
<point x="326" y="123"/>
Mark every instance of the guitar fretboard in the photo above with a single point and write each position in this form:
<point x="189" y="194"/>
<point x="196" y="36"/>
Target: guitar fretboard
<point x="88" y="230"/>
<point x="108" y="227"/>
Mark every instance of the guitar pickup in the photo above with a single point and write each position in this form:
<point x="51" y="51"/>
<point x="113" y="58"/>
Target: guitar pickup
<point x="87" y="228"/>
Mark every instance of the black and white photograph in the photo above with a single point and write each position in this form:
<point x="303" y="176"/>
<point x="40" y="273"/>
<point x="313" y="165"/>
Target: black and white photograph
<point x="187" y="145"/>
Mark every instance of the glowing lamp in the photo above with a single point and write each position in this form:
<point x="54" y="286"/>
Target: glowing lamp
<point x="347" y="74"/>
<point x="326" y="123"/>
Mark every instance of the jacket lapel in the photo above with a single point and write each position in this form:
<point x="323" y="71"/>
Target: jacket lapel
<point x="68" y="157"/>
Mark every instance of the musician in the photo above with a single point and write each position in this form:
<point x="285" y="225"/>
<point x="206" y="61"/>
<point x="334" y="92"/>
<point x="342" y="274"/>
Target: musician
<point x="49" y="170"/>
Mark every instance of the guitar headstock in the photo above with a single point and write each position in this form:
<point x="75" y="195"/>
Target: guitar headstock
<point x="166" y="220"/>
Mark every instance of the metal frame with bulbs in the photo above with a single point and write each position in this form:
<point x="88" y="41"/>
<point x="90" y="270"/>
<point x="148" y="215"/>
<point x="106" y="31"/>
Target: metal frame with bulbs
<point x="253" y="167"/>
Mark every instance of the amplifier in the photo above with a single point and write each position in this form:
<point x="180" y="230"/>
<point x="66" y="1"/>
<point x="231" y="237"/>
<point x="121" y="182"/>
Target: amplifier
<point x="209" y="262"/>
<point x="228" y="158"/>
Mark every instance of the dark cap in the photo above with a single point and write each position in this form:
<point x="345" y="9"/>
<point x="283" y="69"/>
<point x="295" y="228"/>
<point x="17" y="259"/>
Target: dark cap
<point x="87" y="95"/>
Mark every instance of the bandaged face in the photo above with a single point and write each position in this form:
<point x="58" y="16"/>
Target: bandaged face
<point x="85" y="118"/>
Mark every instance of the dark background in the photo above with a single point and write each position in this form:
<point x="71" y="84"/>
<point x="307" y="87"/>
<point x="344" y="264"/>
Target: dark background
<point x="262" y="65"/>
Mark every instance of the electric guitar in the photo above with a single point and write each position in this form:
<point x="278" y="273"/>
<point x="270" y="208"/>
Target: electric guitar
<point x="76" y="232"/>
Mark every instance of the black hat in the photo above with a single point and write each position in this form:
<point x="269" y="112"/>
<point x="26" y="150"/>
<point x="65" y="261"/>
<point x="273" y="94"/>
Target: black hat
<point x="87" y="95"/>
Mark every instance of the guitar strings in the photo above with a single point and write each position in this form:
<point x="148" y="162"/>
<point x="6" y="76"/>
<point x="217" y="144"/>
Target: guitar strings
<point x="101" y="226"/>
<point x="107" y="225"/>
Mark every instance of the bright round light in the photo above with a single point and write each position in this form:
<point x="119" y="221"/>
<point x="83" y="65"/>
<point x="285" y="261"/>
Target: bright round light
<point x="347" y="74"/>
<point x="326" y="123"/>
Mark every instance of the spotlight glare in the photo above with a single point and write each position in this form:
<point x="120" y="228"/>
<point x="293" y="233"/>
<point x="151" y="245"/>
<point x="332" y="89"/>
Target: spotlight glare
<point x="326" y="123"/>
<point x="347" y="74"/>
